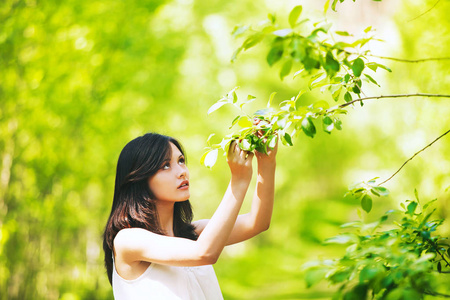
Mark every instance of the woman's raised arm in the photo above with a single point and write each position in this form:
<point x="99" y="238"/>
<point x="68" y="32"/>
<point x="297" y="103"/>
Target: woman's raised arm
<point x="258" y="219"/>
<point x="135" y="244"/>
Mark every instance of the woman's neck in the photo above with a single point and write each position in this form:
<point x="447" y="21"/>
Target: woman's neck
<point x="165" y="213"/>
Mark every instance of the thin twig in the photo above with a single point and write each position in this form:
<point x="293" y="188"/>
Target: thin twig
<point x="415" y="156"/>
<point x="393" y="96"/>
<point x="409" y="60"/>
<point x="425" y="11"/>
<point x="435" y="247"/>
<point x="402" y="59"/>
<point x="436" y="294"/>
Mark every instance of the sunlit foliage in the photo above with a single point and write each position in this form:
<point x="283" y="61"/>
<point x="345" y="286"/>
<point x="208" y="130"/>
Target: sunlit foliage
<point x="79" y="79"/>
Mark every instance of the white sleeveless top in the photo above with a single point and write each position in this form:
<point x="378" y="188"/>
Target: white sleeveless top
<point x="162" y="282"/>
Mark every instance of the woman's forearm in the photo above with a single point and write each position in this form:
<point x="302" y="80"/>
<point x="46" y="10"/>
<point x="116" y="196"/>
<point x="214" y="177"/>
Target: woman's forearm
<point x="214" y="237"/>
<point x="263" y="198"/>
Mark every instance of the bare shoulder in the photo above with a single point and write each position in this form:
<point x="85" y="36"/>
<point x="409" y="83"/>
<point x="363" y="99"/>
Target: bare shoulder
<point x="129" y="238"/>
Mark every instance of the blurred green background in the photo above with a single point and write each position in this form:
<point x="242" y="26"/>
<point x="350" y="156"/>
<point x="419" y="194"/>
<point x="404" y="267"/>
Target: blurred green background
<point x="79" y="79"/>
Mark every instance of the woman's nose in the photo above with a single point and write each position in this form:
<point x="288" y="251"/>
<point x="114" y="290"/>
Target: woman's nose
<point x="182" y="172"/>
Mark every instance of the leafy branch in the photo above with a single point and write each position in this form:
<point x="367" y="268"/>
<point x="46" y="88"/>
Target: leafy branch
<point x="399" y="263"/>
<point x="339" y="67"/>
<point x="394" y="96"/>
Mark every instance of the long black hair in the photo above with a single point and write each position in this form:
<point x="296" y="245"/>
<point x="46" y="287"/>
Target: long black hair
<point x="134" y="203"/>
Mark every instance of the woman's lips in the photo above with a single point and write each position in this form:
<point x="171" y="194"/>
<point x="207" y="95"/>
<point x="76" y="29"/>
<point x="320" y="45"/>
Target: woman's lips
<point x="184" y="185"/>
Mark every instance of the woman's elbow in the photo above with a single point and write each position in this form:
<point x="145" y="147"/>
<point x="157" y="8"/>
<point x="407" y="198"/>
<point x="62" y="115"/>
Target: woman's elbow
<point x="263" y="227"/>
<point x="209" y="258"/>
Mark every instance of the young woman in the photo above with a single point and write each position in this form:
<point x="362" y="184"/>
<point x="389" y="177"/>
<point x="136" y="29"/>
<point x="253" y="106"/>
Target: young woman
<point x="153" y="250"/>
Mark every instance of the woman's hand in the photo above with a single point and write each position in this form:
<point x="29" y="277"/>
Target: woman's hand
<point x="240" y="163"/>
<point x="263" y="158"/>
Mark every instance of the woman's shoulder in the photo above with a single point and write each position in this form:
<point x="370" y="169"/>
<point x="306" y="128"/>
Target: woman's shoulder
<point x="129" y="236"/>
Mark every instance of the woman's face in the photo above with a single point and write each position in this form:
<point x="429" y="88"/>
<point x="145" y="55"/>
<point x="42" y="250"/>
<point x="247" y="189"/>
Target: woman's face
<point x="171" y="181"/>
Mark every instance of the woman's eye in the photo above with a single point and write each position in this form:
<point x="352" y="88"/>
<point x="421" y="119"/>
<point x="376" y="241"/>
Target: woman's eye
<point x="166" y="166"/>
<point x="181" y="161"/>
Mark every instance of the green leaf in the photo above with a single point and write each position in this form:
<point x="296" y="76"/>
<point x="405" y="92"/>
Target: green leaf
<point x="332" y="66"/>
<point x="286" y="69"/>
<point x="209" y="138"/>
<point x="288" y="139"/>
<point x="321" y="104"/>
<point x="428" y="203"/>
<point x="345" y="238"/>
<point x="264" y="111"/>
<point x="269" y="103"/>
<point x="282" y="32"/>
<point x="308" y="127"/>
<point x="234" y="96"/>
<point x="412" y="294"/>
<point x="371" y="79"/>
<point x="425" y="219"/>
<point x="368" y="29"/>
<point x="294" y="15"/>
<point x="314" y="275"/>
<point x="238" y="30"/>
<point x="359" y="292"/>
<point x="209" y="158"/>
<point x="366" y="203"/>
<point x="318" y="81"/>
<point x="326" y="6"/>
<point x="347" y="97"/>
<point x="373" y="66"/>
<point x="250" y="98"/>
<point x="411" y="208"/>
<point x="252" y="40"/>
<point x="234" y="122"/>
<point x="343" y="33"/>
<point x="333" y="5"/>
<point x="340" y="276"/>
<point x="416" y="194"/>
<point x="272" y="141"/>
<point x="347" y="78"/>
<point x="337" y="124"/>
<point x="368" y="273"/>
<point x="298" y="72"/>
<point x="298" y="47"/>
<point x="336" y="94"/>
<point x="275" y="54"/>
<point x="245" y="144"/>
<point x="235" y="54"/>
<point x="244" y="122"/>
<point x="357" y="67"/>
<point x="216" y="106"/>
<point x="381" y="191"/>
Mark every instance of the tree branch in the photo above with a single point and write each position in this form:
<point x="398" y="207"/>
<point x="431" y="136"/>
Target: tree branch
<point x="409" y="60"/>
<point x="393" y="96"/>
<point x="401" y="59"/>
<point x="425" y="11"/>
<point x="431" y="293"/>
<point x="415" y="156"/>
